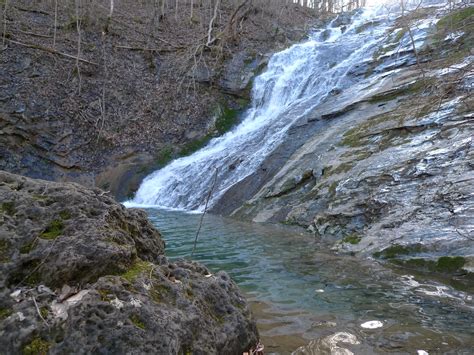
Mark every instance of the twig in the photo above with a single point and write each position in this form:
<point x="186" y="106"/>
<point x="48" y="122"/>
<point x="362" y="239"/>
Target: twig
<point x="34" y="34"/>
<point x="146" y="49"/>
<point x="78" y="28"/>
<point x="4" y="23"/>
<point x="38" y="310"/>
<point x="50" y="50"/>
<point x="205" y="210"/>
<point x="55" y="22"/>
<point x="24" y="9"/>
<point x="210" y="40"/>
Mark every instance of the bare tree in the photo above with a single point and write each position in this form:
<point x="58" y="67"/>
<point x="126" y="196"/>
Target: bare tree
<point x="5" y="7"/>
<point x="55" y="22"/>
<point x="78" y="28"/>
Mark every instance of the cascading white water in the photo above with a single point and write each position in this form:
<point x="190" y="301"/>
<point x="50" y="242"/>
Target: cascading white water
<point x="295" y="82"/>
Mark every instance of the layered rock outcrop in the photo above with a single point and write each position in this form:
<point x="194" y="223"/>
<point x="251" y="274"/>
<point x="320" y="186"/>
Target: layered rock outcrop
<point x="386" y="170"/>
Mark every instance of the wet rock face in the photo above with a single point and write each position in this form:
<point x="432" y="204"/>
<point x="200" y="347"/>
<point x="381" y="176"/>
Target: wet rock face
<point x="78" y="268"/>
<point x="385" y="172"/>
<point x="239" y="72"/>
<point x="371" y="171"/>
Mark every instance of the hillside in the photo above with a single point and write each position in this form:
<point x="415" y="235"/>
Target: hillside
<point x="146" y="87"/>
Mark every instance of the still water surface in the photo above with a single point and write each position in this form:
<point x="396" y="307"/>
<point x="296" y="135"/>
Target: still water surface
<point x="301" y="293"/>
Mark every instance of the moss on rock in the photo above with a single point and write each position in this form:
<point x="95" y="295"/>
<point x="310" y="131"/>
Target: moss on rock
<point x="5" y="313"/>
<point x="53" y="230"/>
<point x="37" y="346"/>
<point x="4" y="251"/>
<point x="445" y="264"/>
<point x="397" y="250"/>
<point x="8" y="208"/>
<point x="137" y="321"/>
<point x="138" y="268"/>
<point x="352" y="239"/>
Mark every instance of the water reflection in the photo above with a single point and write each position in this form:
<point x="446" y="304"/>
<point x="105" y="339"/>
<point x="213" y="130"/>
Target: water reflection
<point x="301" y="293"/>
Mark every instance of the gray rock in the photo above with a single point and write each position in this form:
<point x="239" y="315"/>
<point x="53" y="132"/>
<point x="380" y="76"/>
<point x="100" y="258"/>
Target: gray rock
<point x="78" y="268"/>
<point x="239" y="72"/>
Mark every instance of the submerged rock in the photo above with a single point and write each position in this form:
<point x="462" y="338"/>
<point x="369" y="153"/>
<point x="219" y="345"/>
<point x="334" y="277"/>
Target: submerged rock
<point x="80" y="273"/>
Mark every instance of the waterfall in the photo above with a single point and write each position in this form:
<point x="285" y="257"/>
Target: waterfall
<point x="295" y="82"/>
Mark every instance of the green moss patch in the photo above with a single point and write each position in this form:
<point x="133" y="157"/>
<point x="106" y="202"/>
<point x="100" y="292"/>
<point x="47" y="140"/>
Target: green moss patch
<point x="226" y="118"/>
<point x="137" y="321"/>
<point x="44" y="311"/>
<point x="65" y="215"/>
<point x="28" y="247"/>
<point x="411" y="89"/>
<point x="4" y="251"/>
<point x="53" y="230"/>
<point x="105" y="295"/>
<point x="195" y="145"/>
<point x="332" y="188"/>
<point x="352" y="239"/>
<point x="450" y="263"/>
<point x="356" y="136"/>
<point x="448" y="53"/>
<point x="445" y="264"/>
<point x="340" y="169"/>
<point x="397" y="250"/>
<point x="8" y="208"/>
<point x="164" y="156"/>
<point x="137" y="269"/>
<point x="5" y="313"/>
<point x="456" y="19"/>
<point x="159" y="293"/>
<point x="37" y="346"/>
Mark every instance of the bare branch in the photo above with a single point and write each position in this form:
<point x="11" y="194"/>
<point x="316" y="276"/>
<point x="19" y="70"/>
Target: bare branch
<point x="51" y="50"/>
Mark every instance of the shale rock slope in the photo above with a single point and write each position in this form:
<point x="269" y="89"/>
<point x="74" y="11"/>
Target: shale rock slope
<point x="387" y="171"/>
<point x="82" y="274"/>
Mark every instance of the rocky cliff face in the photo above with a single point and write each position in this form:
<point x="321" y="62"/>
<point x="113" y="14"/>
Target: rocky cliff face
<point x="388" y="172"/>
<point x="80" y="273"/>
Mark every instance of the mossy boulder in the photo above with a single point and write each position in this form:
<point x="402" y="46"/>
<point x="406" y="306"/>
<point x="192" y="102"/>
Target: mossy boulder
<point x="78" y="268"/>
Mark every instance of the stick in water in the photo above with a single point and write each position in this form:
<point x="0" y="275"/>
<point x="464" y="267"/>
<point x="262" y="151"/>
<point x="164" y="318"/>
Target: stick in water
<point x="205" y="209"/>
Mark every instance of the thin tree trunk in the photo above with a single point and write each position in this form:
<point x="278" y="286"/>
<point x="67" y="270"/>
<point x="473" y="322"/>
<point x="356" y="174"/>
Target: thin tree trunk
<point x="5" y="7"/>
<point x="211" y="23"/>
<point x="78" y="27"/>
<point x="55" y="22"/>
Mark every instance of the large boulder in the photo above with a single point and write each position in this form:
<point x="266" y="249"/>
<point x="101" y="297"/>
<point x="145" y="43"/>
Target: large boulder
<point x="79" y="273"/>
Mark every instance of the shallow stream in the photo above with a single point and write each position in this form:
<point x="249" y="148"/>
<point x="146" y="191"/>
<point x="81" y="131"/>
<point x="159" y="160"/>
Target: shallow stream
<point x="300" y="292"/>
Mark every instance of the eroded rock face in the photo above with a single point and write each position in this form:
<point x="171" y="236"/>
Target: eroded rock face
<point x="80" y="273"/>
<point x="387" y="172"/>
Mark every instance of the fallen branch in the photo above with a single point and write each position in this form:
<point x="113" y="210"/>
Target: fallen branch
<point x="39" y="312"/>
<point x="34" y="11"/>
<point x="51" y="50"/>
<point x="205" y="210"/>
<point x="211" y="40"/>
<point x="34" y="34"/>
<point x="145" y="49"/>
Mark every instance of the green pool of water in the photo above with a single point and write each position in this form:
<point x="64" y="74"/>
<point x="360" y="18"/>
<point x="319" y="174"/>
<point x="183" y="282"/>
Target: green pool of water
<point x="301" y="293"/>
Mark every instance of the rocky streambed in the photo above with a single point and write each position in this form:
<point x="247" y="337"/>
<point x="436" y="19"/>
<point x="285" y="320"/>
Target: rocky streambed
<point x="79" y="273"/>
